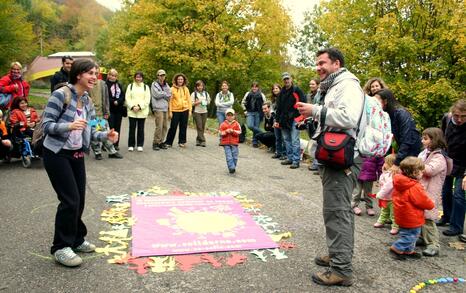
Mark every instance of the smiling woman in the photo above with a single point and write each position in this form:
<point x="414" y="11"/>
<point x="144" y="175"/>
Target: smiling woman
<point x="67" y="136"/>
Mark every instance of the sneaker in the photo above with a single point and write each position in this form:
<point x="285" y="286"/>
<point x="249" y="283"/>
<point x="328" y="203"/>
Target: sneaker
<point x="198" y="144"/>
<point x="323" y="261"/>
<point x="98" y="157"/>
<point x="378" y="225"/>
<point x="441" y="222"/>
<point x="430" y="251"/>
<point x="67" y="257"/>
<point x="294" y="166"/>
<point x="370" y="212"/>
<point x="330" y="278"/>
<point x="116" y="155"/>
<point x="394" y="231"/>
<point x="282" y="158"/>
<point x="163" y="146"/>
<point x="140" y="149"/>
<point x="462" y="237"/>
<point x="276" y="156"/>
<point x="357" y="211"/>
<point x="450" y="233"/>
<point x="156" y="147"/>
<point x="130" y="149"/>
<point x="286" y="162"/>
<point x="181" y="145"/>
<point x="232" y="171"/>
<point x="203" y="144"/>
<point x="312" y="168"/>
<point x="86" y="246"/>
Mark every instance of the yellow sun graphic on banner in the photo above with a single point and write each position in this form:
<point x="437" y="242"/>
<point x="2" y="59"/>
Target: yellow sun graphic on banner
<point x="203" y="222"/>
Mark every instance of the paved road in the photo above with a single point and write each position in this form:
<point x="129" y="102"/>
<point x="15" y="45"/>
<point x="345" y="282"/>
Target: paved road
<point x="291" y="197"/>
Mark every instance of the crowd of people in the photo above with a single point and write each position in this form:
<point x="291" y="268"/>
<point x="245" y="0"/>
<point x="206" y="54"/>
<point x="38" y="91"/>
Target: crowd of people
<point x="419" y="173"/>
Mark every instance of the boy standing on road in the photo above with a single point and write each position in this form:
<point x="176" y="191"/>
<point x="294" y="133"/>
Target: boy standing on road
<point x="229" y="132"/>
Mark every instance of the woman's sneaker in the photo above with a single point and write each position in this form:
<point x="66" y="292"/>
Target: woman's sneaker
<point x="67" y="257"/>
<point x="86" y="246"/>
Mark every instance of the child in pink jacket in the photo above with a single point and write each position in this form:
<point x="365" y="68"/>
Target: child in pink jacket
<point x="385" y="195"/>
<point x="436" y="168"/>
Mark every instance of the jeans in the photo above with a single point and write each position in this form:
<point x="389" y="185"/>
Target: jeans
<point x="292" y="143"/>
<point x="231" y="155"/>
<point x="220" y="117"/>
<point x="253" y="121"/>
<point x="407" y="240"/>
<point x="67" y="174"/>
<point x="453" y="203"/>
<point x="279" y="143"/>
<point x="181" y="119"/>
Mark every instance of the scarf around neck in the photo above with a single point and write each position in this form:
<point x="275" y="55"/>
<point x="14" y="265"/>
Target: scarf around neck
<point x="326" y="83"/>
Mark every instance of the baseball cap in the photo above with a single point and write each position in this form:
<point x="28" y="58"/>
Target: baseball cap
<point x="285" y="75"/>
<point x="231" y="111"/>
<point x="161" y="72"/>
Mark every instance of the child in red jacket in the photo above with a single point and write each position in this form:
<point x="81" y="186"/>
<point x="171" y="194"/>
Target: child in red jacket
<point x="229" y="139"/>
<point x="409" y="202"/>
<point x="23" y="116"/>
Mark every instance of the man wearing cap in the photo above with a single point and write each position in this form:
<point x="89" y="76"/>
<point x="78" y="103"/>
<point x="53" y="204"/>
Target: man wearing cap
<point x="160" y="95"/>
<point x="286" y="114"/>
<point x="342" y="107"/>
<point x="61" y="77"/>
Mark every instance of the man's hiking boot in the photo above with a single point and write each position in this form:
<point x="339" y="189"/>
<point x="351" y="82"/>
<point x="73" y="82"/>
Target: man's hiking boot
<point x="330" y="278"/>
<point x="323" y="261"/>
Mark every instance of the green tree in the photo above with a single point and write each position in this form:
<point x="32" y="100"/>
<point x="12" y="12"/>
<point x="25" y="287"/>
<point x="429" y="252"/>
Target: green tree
<point x="417" y="47"/>
<point x="17" y="35"/>
<point x="239" y="41"/>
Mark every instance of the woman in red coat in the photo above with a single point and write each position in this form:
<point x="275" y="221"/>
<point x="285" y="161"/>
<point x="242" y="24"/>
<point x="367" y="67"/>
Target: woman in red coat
<point x="13" y="84"/>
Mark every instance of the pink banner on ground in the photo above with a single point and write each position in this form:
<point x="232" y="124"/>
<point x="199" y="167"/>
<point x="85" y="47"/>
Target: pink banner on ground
<point x="168" y="225"/>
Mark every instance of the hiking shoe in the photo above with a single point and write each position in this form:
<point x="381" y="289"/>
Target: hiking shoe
<point x="163" y="146"/>
<point x="156" y="147"/>
<point x="430" y="251"/>
<point x="394" y="231"/>
<point x="413" y="255"/>
<point x="286" y="162"/>
<point x="116" y="155"/>
<point x="294" y="166"/>
<point x="98" y="157"/>
<point x="67" y="257"/>
<point x="441" y="222"/>
<point x="232" y="171"/>
<point x="450" y="233"/>
<point x="283" y="158"/>
<point x="198" y="144"/>
<point x="140" y="149"/>
<point x="323" y="261"/>
<point x="370" y="212"/>
<point x="357" y="211"/>
<point x="86" y="246"/>
<point x="203" y="144"/>
<point x="330" y="278"/>
<point x="131" y="149"/>
<point x="378" y="225"/>
<point x="276" y="156"/>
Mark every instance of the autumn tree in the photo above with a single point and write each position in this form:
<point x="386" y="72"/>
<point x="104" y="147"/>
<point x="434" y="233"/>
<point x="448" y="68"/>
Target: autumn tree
<point x="417" y="47"/>
<point x="16" y="36"/>
<point x="240" y="41"/>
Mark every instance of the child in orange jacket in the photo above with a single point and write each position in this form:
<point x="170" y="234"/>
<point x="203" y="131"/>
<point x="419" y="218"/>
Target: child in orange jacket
<point x="24" y="116"/>
<point x="409" y="202"/>
<point x="229" y="133"/>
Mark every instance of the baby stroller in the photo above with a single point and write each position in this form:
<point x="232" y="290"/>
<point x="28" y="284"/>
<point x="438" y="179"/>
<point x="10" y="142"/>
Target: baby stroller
<point x="21" y="146"/>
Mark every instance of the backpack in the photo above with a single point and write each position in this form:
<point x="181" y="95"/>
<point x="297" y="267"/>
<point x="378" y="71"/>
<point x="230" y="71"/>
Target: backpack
<point x="377" y="138"/>
<point x="37" y="140"/>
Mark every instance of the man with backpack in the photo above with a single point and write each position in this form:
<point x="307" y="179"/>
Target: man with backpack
<point x="160" y="94"/>
<point x="287" y="116"/>
<point x="342" y="112"/>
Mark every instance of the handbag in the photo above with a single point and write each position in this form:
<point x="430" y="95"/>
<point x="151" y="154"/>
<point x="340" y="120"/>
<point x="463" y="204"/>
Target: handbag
<point x="335" y="149"/>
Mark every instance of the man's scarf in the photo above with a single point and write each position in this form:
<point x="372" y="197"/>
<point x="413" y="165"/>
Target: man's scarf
<point x="326" y="83"/>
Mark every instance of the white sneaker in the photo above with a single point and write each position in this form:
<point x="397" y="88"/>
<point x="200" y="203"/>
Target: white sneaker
<point x="140" y="149"/>
<point x="86" y="246"/>
<point x="130" y="149"/>
<point x="67" y="257"/>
